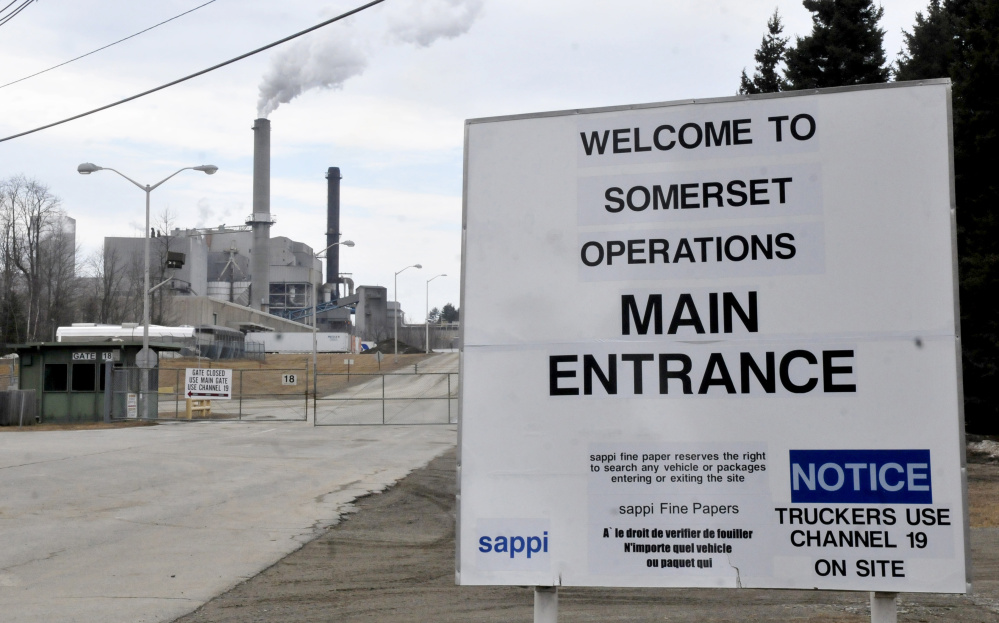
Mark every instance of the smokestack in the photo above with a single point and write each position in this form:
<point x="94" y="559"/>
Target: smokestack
<point x="261" y="218"/>
<point x="333" y="228"/>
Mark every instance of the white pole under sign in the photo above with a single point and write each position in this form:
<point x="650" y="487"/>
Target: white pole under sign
<point x="545" y="604"/>
<point x="747" y="372"/>
<point x="884" y="608"/>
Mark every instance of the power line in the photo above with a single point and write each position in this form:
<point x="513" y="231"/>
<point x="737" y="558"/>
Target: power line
<point x="199" y="73"/>
<point x="13" y="14"/>
<point x="8" y="6"/>
<point x="105" y="47"/>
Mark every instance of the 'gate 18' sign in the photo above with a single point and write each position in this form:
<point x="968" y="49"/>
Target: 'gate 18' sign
<point x="746" y="373"/>
<point x="214" y="383"/>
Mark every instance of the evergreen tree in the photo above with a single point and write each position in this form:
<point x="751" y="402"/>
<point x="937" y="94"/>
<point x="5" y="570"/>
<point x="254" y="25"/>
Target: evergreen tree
<point x="846" y="46"/>
<point x="958" y="39"/>
<point x="976" y="139"/>
<point x="449" y="313"/>
<point x="768" y="57"/>
<point x="931" y="48"/>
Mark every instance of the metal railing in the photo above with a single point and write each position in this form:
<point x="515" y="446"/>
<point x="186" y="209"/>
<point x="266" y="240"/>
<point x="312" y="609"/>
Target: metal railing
<point x="418" y="398"/>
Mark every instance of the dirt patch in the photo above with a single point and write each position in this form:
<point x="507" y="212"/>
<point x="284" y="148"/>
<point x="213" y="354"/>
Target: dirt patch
<point x="393" y="561"/>
<point x="76" y="426"/>
<point x="983" y="495"/>
<point x="253" y="378"/>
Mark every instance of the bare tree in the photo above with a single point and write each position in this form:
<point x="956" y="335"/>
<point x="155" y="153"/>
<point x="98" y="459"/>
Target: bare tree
<point x="10" y="303"/>
<point x="159" y="300"/>
<point x="35" y="221"/>
<point x="132" y="293"/>
<point x="59" y="283"/>
<point x="105" y="296"/>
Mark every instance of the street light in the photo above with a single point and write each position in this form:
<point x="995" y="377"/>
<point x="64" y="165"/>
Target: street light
<point x="428" y="308"/>
<point x="145" y="359"/>
<point x="398" y="307"/>
<point x="315" y="305"/>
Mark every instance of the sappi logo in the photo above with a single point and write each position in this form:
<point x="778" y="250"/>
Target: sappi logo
<point x="513" y="543"/>
<point x="529" y="545"/>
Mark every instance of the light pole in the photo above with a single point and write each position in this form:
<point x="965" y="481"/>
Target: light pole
<point x="315" y="305"/>
<point x="145" y="359"/>
<point x="398" y="307"/>
<point x="428" y="308"/>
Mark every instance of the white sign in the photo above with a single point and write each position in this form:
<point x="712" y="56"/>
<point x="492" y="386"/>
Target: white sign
<point x="289" y="379"/>
<point x="84" y="356"/>
<point x="214" y="383"/>
<point x="728" y="357"/>
<point x="132" y="405"/>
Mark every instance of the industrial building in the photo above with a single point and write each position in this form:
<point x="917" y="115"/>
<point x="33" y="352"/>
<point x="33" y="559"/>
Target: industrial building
<point x="239" y="277"/>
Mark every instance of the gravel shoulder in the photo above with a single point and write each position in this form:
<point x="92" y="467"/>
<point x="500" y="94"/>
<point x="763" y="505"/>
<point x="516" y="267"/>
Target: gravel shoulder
<point x="393" y="560"/>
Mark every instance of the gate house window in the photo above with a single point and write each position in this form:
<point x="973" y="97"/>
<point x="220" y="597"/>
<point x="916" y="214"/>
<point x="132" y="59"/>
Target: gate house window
<point x="84" y="377"/>
<point x="55" y="377"/>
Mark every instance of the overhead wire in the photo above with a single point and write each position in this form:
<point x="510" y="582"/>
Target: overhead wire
<point x="198" y="73"/>
<point x="38" y="73"/>
<point x="13" y="14"/>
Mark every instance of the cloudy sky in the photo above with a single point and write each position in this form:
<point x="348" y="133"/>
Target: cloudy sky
<point x="383" y="95"/>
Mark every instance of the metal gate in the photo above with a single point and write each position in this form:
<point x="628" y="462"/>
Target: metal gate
<point x="257" y="395"/>
<point x="417" y="398"/>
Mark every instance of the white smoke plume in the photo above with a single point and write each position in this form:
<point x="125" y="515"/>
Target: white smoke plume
<point x="329" y="57"/>
<point x="310" y="63"/>
<point x="423" y="22"/>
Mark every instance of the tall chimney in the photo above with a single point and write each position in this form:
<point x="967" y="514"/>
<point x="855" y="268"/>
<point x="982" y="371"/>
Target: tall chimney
<point x="333" y="229"/>
<point x="261" y="218"/>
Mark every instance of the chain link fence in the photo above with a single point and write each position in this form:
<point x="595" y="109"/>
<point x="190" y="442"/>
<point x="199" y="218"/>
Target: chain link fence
<point x="257" y="395"/>
<point x="417" y="398"/>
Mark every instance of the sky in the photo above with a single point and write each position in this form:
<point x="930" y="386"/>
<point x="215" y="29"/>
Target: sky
<point x="383" y="95"/>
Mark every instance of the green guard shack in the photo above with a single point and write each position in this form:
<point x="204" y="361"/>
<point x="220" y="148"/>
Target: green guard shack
<point x="69" y="377"/>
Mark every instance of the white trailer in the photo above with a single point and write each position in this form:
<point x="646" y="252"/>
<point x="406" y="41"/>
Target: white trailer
<point x="286" y="342"/>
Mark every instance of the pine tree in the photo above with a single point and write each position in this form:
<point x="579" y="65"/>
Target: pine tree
<point x="976" y="140"/>
<point x="959" y="39"/>
<point x="931" y="47"/>
<point x="846" y="46"/>
<point x="768" y="57"/>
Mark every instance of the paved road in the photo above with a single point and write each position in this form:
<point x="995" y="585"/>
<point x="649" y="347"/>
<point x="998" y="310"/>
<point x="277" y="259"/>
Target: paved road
<point x="425" y="395"/>
<point x="145" y="524"/>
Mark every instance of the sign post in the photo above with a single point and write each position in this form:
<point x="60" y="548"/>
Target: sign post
<point x="729" y="357"/>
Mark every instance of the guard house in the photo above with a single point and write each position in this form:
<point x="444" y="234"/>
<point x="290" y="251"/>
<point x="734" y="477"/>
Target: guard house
<point x="69" y="377"/>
